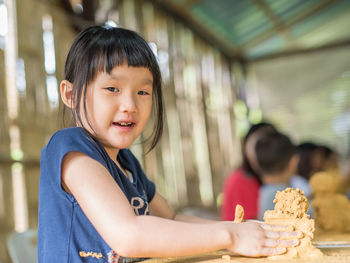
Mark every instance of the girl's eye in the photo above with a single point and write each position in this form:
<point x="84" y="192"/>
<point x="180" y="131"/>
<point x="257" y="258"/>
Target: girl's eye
<point x="141" y="92"/>
<point x="112" y="89"/>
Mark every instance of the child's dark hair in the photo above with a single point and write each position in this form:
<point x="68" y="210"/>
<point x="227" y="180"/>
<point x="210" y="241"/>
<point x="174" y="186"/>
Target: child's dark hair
<point x="101" y="48"/>
<point x="326" y="151"/>
<point x="262" y="126"/>
<point x="274" y="150"/>
<point x="305" y="151"/>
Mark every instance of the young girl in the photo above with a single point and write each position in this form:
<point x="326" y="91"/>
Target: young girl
<point x="95" y="202"/>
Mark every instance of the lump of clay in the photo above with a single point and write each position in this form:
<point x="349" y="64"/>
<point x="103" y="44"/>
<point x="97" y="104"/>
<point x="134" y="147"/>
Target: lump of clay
<point x="325" y="182"/>
<point x="290" y="209"/>
<point x="239" y="214"/>
<point x="331" y="206"/>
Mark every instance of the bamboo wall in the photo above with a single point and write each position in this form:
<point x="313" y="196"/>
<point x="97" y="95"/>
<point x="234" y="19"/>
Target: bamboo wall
<point x="198" y="148"/>
<point x="36" y="118"/>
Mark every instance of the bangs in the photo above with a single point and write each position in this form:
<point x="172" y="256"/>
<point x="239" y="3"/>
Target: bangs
<point x="115" y="48"/>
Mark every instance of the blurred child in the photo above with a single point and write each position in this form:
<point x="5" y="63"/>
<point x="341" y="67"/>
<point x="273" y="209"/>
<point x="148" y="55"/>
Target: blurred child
<point x="277" y="160"/>
<point x="242" y="185"/>
<point x="310" y="161"/>
<point x="330" y="159"/>
<point x="330" y="165"/>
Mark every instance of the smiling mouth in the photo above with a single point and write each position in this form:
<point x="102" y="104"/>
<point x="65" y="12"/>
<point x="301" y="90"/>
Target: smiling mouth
<point x="124" y="124"/>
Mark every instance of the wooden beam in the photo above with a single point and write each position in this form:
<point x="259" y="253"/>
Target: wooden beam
<point x="340" y="44"/>
<point x="276" y="22"/>
<point x="302" y="16"/>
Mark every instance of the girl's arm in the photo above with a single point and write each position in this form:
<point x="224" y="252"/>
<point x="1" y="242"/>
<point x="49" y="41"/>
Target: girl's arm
<point x="104" y="203"/>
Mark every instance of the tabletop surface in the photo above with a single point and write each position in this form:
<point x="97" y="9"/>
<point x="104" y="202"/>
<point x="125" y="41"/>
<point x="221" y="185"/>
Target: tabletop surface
<point x="331" y="255"/>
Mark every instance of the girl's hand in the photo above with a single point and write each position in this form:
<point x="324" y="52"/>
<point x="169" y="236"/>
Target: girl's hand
<point x="255" y="239"/>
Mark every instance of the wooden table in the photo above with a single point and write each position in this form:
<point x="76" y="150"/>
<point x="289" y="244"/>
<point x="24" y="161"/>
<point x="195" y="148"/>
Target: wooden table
<point x="331" y="255"/>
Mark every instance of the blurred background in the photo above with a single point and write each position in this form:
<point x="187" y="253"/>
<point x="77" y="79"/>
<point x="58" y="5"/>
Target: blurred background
<point x="226" y="64"/>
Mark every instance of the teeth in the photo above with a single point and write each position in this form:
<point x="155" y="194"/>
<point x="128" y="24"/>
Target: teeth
<point x="125" y="123"/>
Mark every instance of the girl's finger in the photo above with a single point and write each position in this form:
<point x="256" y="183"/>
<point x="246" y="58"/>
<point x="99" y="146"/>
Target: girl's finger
<point x="296" y="234"/>
<point x="274" y="227"/>
<point x="281" y="243"/>
<point x="273" y="234"/>
<point x="282" y="234"/>
<point x="272" y="242"/>
<point x="255" y="221"/>
<point x="289" y="243"/>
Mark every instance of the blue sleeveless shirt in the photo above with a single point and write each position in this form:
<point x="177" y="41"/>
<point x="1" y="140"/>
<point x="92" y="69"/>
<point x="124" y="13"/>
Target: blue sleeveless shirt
<point x="65" y="234"/>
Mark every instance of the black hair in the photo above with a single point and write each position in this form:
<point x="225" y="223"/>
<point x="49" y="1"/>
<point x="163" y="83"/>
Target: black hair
<point x="101" y="48"/>
<point x="327" y="151"/>
<point x="273" y="152"/>
<point x="305" y="151"/>
<point x="245" y="162"/>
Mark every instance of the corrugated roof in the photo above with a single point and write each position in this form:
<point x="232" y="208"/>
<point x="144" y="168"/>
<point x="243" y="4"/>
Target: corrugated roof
<point x="252" y="29"/>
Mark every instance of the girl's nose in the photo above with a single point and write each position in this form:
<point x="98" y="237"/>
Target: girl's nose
<point x="128" y="104"/>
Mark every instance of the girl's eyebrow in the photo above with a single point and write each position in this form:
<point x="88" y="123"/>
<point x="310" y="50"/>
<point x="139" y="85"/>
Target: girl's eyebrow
<point x="145" y="81"/>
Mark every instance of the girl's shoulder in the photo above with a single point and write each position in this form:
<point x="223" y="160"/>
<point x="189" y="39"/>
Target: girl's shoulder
<point x="71" y="131"/>
<point x="237" y="174"/>
<point x="241" y="177"/>
<point x="75" y="138"/>
<point x="69" y="135"/>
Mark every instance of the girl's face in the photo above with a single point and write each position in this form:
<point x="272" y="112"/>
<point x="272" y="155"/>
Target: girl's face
<point x="118" y="106"/>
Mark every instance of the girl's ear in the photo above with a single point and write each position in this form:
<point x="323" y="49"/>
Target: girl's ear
<point x="66" y="93"/>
